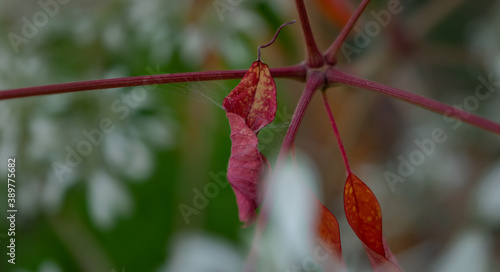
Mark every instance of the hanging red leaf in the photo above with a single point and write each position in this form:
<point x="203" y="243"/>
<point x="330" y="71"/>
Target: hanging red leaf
<point x="365" y="218"/>
<point x="250" y="106"/>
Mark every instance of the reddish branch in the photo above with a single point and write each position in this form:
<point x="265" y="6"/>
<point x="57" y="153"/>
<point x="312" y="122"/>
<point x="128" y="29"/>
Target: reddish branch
<point x="297" y="72"/>
<point x="314" y="58"/>
<point x="335" y="76"/>
<point x="315" y="81"/>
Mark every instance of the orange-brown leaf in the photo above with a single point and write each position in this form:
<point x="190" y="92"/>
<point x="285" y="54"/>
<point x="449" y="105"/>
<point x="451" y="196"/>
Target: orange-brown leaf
<point x="365" y="218"/>
<point x="363" y="213"/>
<point x="328" y="231"/>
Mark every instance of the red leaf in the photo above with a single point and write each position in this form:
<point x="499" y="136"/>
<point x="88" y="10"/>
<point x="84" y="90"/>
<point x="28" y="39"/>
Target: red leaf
<point x="363" y="214"/>
<point x="250" y="106"/>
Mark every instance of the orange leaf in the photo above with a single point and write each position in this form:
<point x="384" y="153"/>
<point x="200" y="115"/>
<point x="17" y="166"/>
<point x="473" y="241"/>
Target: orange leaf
<point x="365" y="218"/>
<point x="363" y="213"/>
<point x="329" y="233"/>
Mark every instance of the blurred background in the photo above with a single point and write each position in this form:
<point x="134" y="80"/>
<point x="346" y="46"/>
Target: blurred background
<point x="110" y="180"/>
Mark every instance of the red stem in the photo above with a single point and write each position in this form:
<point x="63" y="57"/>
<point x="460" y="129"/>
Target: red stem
<point x="314" y="81"/>
<point x="314" y="59"/>
<point x="337" y="134"/>
<point x="335" y="76"/>
<point x="331" y="53"/>
<point x="297" y="72"/>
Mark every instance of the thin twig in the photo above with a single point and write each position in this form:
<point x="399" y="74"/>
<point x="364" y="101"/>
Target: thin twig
<point x="331" y="53"/>
<point x="336" y="131"/>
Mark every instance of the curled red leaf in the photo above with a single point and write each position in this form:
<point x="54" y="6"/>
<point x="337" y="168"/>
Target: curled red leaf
<point x="365" y="218"/>
<point x="244" y="167"/>
<point x="250" y="106"/>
